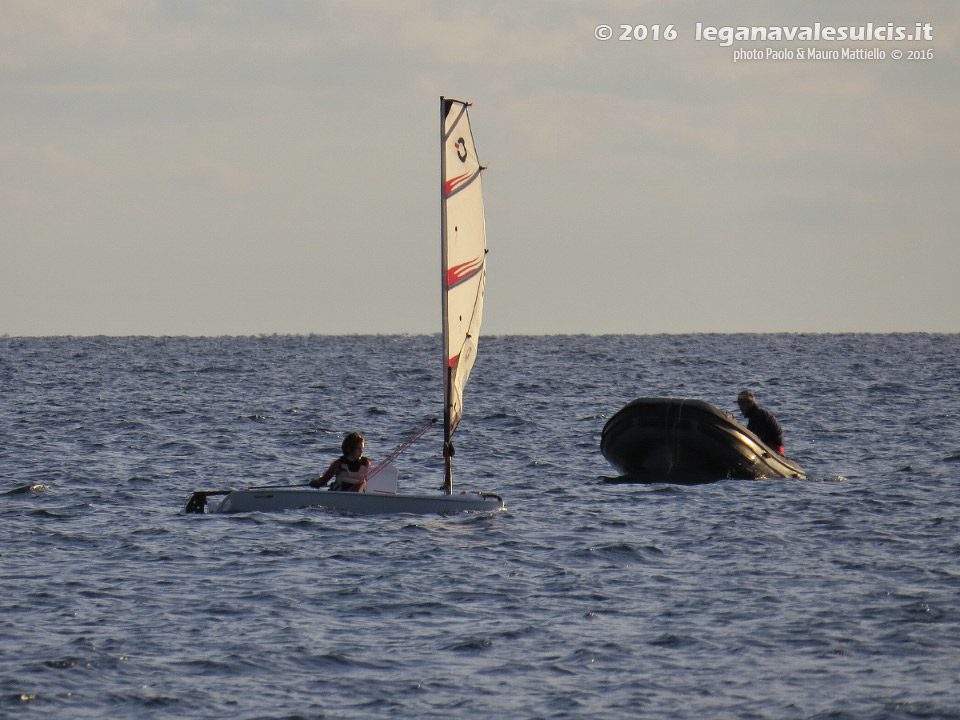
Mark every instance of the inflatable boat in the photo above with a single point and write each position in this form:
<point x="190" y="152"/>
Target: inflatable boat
<point x="682" y="440"/>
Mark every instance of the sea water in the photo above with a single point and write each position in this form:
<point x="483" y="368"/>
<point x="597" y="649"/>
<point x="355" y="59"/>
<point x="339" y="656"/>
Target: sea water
<point x="837" y="596"/>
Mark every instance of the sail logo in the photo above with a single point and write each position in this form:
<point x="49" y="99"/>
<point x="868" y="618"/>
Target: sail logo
<point x="461" y="147"/>
<point x="464" y="271"/>
<point x="455" y="183"/>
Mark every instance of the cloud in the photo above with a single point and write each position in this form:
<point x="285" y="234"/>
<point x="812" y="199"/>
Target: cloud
<point x="222" y="146"/>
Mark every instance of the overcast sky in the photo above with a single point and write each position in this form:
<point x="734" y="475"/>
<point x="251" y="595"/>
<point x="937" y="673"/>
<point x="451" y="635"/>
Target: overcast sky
<point x="272" y="166"/>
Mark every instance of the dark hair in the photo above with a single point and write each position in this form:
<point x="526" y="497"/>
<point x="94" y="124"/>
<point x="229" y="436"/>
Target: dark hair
<point x="351" y="442"/>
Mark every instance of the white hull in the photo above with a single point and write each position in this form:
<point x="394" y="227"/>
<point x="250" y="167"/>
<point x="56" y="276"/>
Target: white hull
<point x="353" y="503"/>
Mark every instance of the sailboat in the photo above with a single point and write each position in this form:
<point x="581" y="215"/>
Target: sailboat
<point x="463" y="273"/>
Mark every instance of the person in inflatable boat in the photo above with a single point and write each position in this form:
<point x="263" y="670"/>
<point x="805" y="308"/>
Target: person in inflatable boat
<point x="761" y="422"/>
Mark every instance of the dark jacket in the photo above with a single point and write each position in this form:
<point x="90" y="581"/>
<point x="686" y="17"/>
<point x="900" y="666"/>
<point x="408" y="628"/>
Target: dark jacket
<point x="764" y="425"/>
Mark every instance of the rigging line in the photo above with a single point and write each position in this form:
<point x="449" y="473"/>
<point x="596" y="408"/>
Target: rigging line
<point x="403" y="446"/>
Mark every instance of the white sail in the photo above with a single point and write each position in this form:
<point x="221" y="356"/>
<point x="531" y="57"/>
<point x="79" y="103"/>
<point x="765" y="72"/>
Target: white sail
<point x="464" y="247"/>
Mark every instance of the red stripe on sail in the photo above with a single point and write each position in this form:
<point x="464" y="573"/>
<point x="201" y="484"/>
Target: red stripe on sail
<point x="462" y="272"/>
<point x="453" y="361"/>
<point x="453" y="183"/>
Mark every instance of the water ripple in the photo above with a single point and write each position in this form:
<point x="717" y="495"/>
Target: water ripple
<point x="830" y="597"/>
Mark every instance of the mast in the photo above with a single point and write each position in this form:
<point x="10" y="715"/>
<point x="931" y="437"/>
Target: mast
<point x="447" y="376"/>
